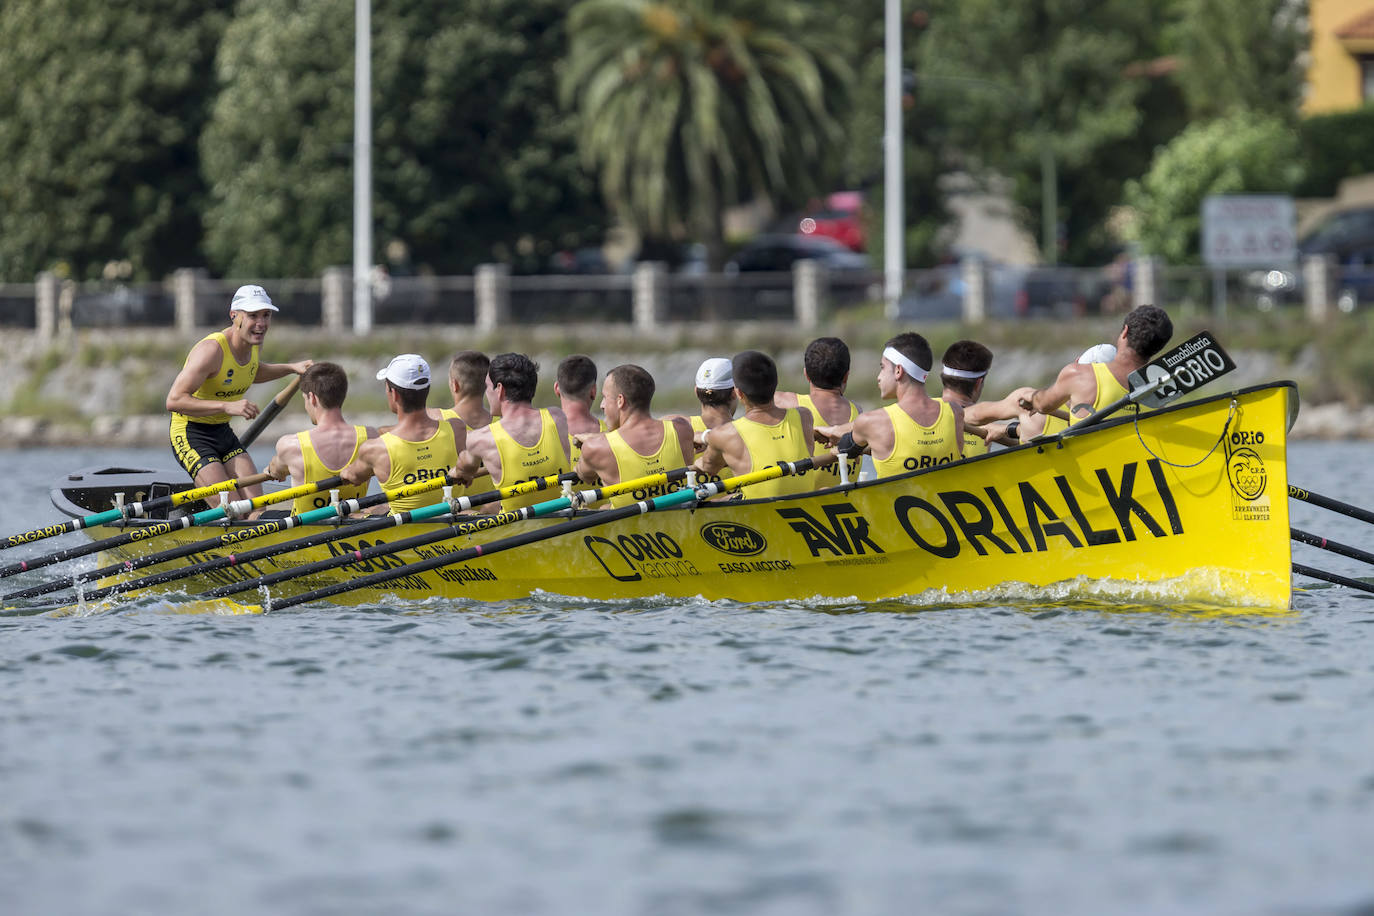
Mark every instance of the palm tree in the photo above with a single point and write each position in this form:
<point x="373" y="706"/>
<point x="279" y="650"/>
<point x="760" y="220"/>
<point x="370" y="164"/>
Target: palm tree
<point x="690" y="106"/>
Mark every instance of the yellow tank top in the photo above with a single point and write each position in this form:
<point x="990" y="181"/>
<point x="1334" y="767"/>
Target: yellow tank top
<point x="974" y="444"/>
<point x="828" y="476"/>
<point x="1109" y="391"/>
<point x="631" y="464"/>
<point x="228" y="383"/>
<point x="413" y="462"/>
<point x="315" y="469"/>
<point x="769" y="444"/>
<point x="916" y="446"/>
<point x="543" y="459"/>
<point x="699" y="425"/>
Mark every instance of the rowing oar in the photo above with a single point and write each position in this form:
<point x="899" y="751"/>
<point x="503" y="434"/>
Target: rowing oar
<point x="1358" y="584"/>
<point x="457" y="529"/>
<point x="1326" y="502"/>
<point x="579" y="523"/>
<point x="238" y="507"/>
<point x="269" y="412"/>
<point x="1316" y="540"/>
<point x="236" y="535"/>
<point x="130" y="510"/>
<point x="242" y="535"/>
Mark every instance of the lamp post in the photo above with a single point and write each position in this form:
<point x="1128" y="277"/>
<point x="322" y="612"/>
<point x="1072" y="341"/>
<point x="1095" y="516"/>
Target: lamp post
<point x="894" y="216"/>
<point x="362" y="167"/>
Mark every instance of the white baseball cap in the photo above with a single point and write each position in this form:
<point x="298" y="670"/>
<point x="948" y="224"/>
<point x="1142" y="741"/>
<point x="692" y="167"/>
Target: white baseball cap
<point x="1102" y="353"/>
<point x="715" y="374"/>
<point x="251" y="299"/>
<point x="406" y="371"/>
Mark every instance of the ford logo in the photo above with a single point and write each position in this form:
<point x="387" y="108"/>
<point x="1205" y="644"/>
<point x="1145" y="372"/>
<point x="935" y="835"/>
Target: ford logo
<point x="728" y="537"/>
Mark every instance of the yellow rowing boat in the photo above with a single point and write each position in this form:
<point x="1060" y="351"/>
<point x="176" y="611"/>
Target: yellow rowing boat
<point x="1186" y="504"/>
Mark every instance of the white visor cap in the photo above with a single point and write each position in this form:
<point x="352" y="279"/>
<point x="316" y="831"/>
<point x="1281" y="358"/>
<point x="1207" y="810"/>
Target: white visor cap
<point x="715" y="374"/>
<point x="1102" y="353"/>
<point x="252" y="299"/>
<point x="408" y="370"/>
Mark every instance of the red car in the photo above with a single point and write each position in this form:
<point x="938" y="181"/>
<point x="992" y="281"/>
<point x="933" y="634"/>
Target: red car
<point x="838" y="219"/>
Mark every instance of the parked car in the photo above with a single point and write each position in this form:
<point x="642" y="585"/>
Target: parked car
<point x="1347" y="236"/>
<point x="780" y="252"/>
<point x="839" y="218"/>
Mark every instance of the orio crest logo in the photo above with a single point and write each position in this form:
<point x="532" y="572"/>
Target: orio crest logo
<point x="738" y="540"/>
<point x="1245" y="470"/>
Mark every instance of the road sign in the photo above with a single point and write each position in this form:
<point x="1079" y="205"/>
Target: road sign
<point x="1248" y="230"/>
<point x="1188" y="366"/>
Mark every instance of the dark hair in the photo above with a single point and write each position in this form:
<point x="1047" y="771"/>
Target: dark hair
<point x="970" y="356"/>
<point x="468" y="369"/>
<point x="517" y="372"/>
<point x="636" y="384"/>
<point x="827" y="362"/>
<point x="326" y="381"/>
<point x="1148" y="329"/>
<point x="412" y="399"/>
<point x="715" y="397"/>
<point x="756" y="376"/>
<point x="576" y="376"/>
<point x="914" y="347"/>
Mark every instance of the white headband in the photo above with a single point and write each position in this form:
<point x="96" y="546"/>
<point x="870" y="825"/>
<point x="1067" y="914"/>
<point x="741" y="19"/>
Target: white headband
<point x="897" y="359"/>
<point x="960" y="373"/>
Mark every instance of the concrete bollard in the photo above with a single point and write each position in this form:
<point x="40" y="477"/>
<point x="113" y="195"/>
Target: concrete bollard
<point x="650" y="292"/>
<point x="493" y="296"/>
<point x="808" y="290"/>
<point x="974" y="273"/>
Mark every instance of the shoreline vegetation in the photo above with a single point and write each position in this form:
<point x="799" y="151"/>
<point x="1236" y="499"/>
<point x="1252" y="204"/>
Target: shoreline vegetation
<point x="107" y="386"/>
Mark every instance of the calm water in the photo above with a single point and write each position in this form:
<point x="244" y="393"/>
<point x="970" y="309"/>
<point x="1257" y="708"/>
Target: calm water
<point x="691" y="758"/>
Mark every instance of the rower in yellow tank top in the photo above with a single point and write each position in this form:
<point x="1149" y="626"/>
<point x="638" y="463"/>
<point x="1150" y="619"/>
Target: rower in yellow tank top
<point x="316" y="469"/>
<point x="974" y="444"/>
<point x="228" y="383"/>
<point x="412" y="462"/>
<point x="545" y="458"/>
<point x="1109" y="391"/>
<point x="916" y="446"/>
<point x="828" y="476"/>
<point x="631" y="464"/>
<point x="771" y="443"/>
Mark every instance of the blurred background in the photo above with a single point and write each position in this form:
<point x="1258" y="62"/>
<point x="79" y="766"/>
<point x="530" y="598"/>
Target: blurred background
<point x="649" y="162"/>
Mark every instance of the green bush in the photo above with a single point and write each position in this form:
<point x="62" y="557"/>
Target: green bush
<point x="1241" y="153"/>
<point x="1333" y="147"/>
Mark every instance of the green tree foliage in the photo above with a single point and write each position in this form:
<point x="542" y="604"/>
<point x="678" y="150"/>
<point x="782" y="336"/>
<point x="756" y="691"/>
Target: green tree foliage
<point x="1335" y="146"/>
<point x="1237" y="55"/>
<point x="471" y="158"/>
<point x="100" y="109"/>
<point x="1241" y="153"/>
<point x="1068" y="75"/>
<point x="690" y="106"/>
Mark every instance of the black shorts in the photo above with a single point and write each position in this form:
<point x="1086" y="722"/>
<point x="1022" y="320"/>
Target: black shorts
<point x="197" y="444"/>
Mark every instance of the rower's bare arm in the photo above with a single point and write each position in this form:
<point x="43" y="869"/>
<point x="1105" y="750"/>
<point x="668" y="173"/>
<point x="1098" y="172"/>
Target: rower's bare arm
<point x="287" y="458"/>
<point x="958" y="427"/>
<point x="685" y="438"/>
<point x="200" y="365"/>
<point x="268" y="372"/>
<point x="1048" y="400"/>
<point x="829" y="435"/>
<point x="592" y="464"/>
<point x="362" y="469"/>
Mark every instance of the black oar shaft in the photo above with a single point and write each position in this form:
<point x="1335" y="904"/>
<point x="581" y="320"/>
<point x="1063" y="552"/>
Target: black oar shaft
<point x="81" y="550"/>
<point x="366" y="553"/>
<point x="599" y="517"/>
<point x="1335" y="578"/>
<point x="1326" y="502"/>
<point x="1345" y="550"/>
<point x="269" y="413"/>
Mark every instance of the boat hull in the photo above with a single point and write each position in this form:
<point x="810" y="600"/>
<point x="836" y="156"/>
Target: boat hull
<point x="1187" y="504"/>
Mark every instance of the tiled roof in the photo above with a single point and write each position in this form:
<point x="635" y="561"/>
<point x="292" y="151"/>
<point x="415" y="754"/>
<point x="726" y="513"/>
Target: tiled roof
<point x="1362" y="26"/>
